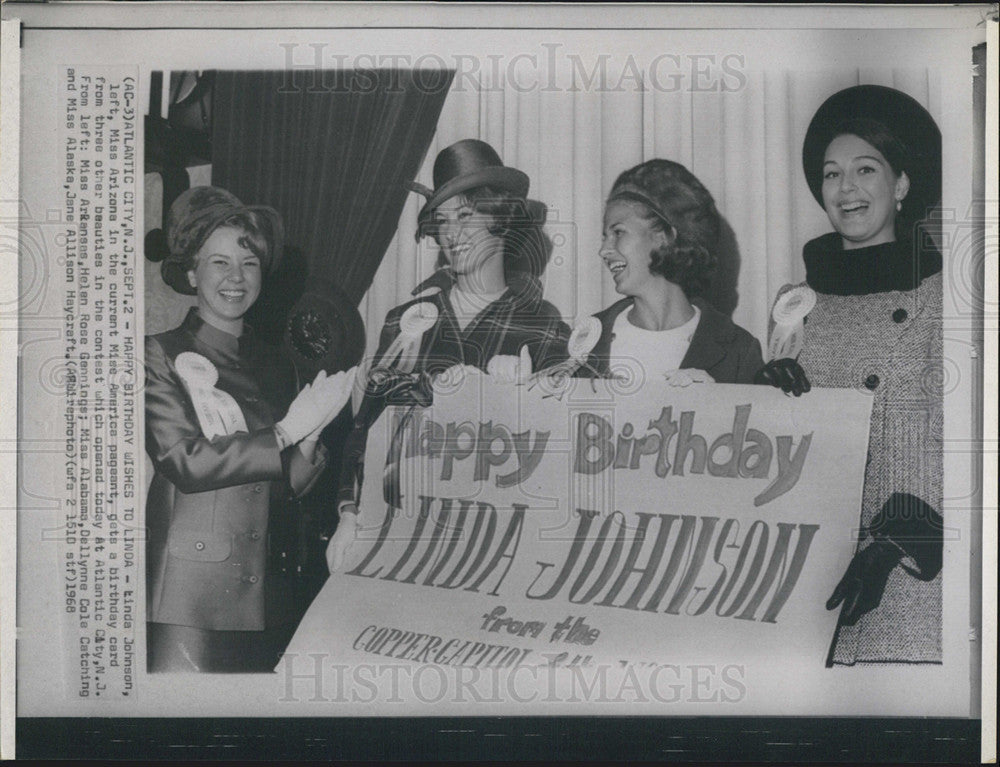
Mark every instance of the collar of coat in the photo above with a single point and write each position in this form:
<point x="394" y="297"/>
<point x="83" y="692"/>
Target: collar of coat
<point x="708" y="344"/>
<point x="523" y="290"/>
<point x="900" y="265"/>
<point x="219" y="339"/>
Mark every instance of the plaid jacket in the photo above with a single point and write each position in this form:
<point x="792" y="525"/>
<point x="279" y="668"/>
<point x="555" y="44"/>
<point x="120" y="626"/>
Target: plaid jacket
<point x="520" y="317"/>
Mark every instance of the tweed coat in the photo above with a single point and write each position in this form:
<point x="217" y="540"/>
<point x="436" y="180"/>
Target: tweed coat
<point x="888" y="345"/>
<point x="213" y="504"/>
<point x="719" y="346"/>
<point x="520" y="317"/>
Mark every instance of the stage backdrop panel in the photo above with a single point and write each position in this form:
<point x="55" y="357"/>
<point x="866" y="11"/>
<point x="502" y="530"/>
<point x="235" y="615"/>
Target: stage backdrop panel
<point x="603" y="534"/>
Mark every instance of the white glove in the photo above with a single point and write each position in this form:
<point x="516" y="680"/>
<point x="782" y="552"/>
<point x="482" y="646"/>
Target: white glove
<point x="302" y="415"/>
<point x="334" y="392"/>
<point x="340" y="543"/>
<point x="451" y="379"/>
<point x="688" y="376"/>
<point x="313" y="408"/>
<point x="506" y="368"/>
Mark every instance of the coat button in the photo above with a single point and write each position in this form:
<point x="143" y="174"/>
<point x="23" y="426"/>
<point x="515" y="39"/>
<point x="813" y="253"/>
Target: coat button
<point x="872" y="382"/>
<point x="899" y="315"/>
<point x="199" y="546"/>
<point x="254" y="535"/>
<point x="249" y="579"/>
<point x="258" y="489"/>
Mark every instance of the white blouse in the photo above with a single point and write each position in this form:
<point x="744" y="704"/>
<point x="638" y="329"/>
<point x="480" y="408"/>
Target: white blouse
<point x="650" y="354"/>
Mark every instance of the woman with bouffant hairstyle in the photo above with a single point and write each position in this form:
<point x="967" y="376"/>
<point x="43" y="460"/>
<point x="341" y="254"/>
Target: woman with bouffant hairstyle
<point x="869" y="317"/>
<point x="231" y="436"/>
<point x="661" y="229"/>
<point x="515" y="220"/>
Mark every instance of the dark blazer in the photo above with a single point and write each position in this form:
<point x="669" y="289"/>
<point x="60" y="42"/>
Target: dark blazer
<point x="212" y="504"/>
<point x="720" y="347"/>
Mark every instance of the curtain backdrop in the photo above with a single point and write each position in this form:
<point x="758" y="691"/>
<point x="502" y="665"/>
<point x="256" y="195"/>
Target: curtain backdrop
<point x="333" y="152"/>
<point x="744" y="145"/>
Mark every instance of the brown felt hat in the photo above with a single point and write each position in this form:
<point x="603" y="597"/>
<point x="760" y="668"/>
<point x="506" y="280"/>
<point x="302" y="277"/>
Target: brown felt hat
<point x="465" y="165"/>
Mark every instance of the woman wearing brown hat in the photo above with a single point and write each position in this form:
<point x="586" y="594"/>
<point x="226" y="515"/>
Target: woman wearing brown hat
<point x="660" y="233"/>
<point x="483" y="310"/>
<point x="872" y="298"/>
<point x="230" y="437"/>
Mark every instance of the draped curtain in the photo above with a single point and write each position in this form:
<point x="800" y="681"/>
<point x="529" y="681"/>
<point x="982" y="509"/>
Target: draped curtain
<point x="744" y="145"/>
<point x="333" y="152"/>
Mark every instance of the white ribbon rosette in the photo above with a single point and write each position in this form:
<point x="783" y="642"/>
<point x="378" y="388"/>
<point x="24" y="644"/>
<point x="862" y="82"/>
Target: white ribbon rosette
<point x="401" y="356"/>
<point x="218" y="413"/>
<point x="582" y="340"/>
<point x="402" y="352"/>
<point x="789" y="316"/>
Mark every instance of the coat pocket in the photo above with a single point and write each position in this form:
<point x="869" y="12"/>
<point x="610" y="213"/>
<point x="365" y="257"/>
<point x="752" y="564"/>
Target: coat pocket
<point x="199" y="545"/>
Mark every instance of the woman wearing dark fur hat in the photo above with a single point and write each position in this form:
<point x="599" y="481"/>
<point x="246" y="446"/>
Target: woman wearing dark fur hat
<point x="872" y="298"/>
<point x="484" y="309"/>
<point x="230" y="437"/>
<point x="660" y="232"/>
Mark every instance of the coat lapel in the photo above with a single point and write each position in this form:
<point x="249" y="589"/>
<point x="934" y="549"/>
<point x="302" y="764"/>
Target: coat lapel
<point x="446" y="336"/>
<point x="708" y="345"/>
<point x="599" y="360"/>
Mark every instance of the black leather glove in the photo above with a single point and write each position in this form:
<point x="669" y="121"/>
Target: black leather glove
<point x="391" y="387"/>
<point x="786" y="374"/>
<point x="905" y="526"/>
<point x="862" y="586"/>
<point x="915" y="527"/>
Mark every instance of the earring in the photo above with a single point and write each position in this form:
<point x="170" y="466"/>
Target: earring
<point x="899" y="205"/>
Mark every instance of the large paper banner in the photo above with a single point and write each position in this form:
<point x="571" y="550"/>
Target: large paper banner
<point x="576" y="541"/>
